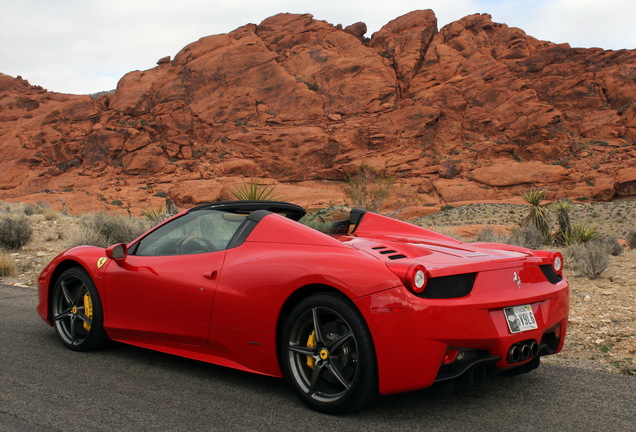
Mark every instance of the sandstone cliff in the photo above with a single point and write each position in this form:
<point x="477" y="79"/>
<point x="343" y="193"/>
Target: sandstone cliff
<point x="476" y="111"/>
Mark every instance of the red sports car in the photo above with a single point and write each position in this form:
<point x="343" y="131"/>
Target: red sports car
<point x="378" y="306"/>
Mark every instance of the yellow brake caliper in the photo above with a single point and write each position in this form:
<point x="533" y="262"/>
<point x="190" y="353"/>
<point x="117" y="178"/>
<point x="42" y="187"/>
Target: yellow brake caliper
<point x="88" y="310"/>
<point x="311" y="343"/>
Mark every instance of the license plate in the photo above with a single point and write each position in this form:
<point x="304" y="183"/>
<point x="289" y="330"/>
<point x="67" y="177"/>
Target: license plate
<point x="520" y="318"/>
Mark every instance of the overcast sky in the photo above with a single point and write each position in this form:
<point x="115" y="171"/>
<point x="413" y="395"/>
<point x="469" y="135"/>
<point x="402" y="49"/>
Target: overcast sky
<point x="86" y="46"/>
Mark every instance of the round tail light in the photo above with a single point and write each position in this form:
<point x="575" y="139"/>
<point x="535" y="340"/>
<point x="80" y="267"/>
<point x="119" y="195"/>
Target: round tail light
<point x="557" y="262"/>
<point x="417" y="278"/>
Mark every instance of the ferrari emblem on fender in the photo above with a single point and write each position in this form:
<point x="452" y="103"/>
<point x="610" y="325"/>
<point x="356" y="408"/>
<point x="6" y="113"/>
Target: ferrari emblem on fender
<point x="101" y="262"/>
<point x="516" y="279"/>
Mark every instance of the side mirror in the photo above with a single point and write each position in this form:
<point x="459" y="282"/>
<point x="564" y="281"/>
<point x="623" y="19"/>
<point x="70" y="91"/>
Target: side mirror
<point x="117" y="252"/>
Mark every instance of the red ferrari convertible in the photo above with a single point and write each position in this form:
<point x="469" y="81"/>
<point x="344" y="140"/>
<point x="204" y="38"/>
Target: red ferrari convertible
<point x="378" y="306"/>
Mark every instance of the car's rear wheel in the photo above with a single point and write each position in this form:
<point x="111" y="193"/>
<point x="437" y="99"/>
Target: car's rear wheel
<point x="328" y="355"/>
<point x="76" y="311"/>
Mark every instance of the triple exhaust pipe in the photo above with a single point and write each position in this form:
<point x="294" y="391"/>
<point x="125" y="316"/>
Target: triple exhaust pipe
<point x="523" y="351"/>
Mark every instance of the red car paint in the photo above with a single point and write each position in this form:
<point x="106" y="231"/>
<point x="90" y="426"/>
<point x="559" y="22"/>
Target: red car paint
<point x="227" y="307"/>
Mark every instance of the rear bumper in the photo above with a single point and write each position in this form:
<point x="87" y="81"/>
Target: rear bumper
<point x="412" y="334"/>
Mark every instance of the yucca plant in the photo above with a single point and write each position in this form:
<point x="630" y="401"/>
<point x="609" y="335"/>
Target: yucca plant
<point x="155" y="215"/>
<point x="581" y="234"/>
<point x="255" y="191"/>
<point x="537" y="217"/>
<point x="562" y="209"/>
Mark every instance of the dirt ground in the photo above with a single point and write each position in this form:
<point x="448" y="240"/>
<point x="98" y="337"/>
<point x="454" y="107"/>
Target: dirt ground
<point x="602" y="325"/>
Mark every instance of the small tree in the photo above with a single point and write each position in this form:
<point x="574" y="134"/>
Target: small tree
<point x="367" y="188"/>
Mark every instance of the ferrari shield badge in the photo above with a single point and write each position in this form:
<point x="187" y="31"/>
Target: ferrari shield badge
<point x="101" y="262"/>
<point x="516" y="279"/>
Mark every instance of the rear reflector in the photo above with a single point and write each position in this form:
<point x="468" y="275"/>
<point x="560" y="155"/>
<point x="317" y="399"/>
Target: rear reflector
<point x="451" y="355"/>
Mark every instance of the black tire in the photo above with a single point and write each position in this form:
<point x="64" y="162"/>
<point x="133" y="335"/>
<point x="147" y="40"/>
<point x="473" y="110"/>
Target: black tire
<point x="328" y="356"/>
<point x="76" y="311"/>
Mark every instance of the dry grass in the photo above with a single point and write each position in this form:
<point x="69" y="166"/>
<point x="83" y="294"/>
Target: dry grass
<point x="7" y="265"/>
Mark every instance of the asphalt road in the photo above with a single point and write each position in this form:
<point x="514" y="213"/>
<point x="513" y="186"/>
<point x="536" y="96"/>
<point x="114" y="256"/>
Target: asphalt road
<point x="45" y="387"/>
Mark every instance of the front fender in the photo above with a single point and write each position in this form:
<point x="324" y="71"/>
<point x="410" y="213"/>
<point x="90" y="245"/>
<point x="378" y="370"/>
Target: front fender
<point x="91" y="258"/>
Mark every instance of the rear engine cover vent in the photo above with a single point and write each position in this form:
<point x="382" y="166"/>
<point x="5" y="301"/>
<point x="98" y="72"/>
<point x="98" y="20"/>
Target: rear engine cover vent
<point x="392" y="254"/>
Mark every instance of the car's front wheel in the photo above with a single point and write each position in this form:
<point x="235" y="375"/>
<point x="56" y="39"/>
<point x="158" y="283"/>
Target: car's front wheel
<point x="328" y="355"/>
<point x="76" y="311"/>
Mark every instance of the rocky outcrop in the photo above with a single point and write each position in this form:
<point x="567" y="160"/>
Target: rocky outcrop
<point x="474" y="111"/>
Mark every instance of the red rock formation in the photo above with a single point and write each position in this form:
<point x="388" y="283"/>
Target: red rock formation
<point x="475" y="111"/>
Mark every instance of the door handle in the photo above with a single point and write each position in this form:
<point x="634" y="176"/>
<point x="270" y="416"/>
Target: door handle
<point x="211" y="275"/>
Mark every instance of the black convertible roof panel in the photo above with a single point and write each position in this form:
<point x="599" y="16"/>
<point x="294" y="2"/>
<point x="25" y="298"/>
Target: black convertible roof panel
<point x="292" y="211"/>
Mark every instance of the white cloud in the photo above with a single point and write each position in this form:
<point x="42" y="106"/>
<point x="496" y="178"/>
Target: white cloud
<point x="85" y="46"/>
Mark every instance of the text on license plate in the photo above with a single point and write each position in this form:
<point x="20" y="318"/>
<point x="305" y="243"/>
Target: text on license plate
<point x="520" y="318"/>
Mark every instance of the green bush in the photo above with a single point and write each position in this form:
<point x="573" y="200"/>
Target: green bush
<point x="631" y="238"/>
<point x="15" y="232"/>
<point x="590" y="259"/>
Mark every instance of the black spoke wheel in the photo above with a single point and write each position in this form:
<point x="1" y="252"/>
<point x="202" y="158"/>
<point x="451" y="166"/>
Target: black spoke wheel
<point x="76" y="311"/>
<point x="328" y="356"/>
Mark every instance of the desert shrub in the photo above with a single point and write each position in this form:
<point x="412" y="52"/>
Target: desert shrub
<point x="488" y="235"/>
<point x="590" y="259"/>
<point x="15" y="232"/>
<point x="30" y="209"/>
<point x="255" y="191"/>
<point x="51" y="215"/>
<point x="86" y="235"/>
<point x="7" y="265"/>
<point x="105" y="229"/>
<point x="367" y="188"/>
<point x="527" y="236"/>
<point x="611" y="244"/>
<point x="631" y="238"/>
